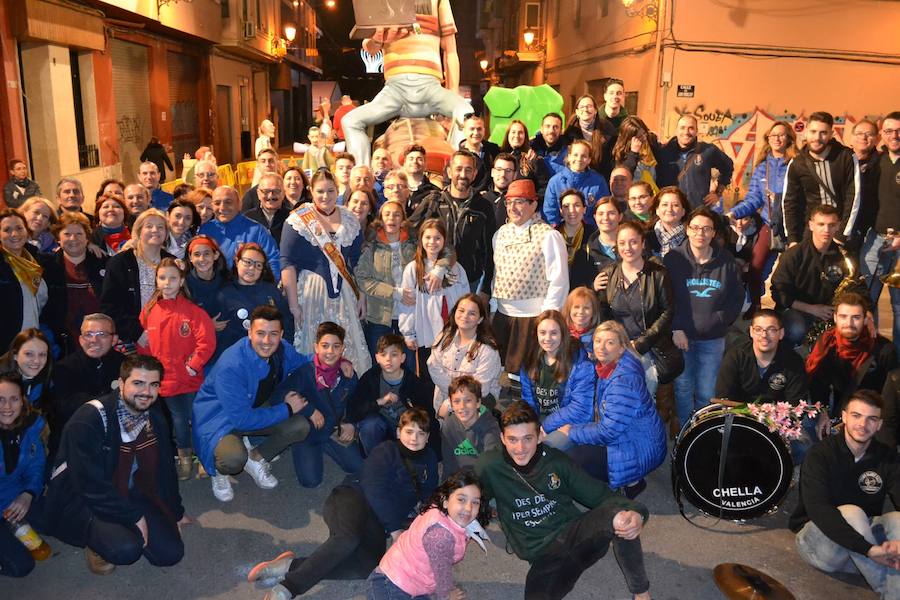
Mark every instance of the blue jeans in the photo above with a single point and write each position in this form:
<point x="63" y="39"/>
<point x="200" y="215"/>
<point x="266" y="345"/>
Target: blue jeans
<point x="374" y="331"/>
<point x="309" y="457"/>
<point x="180" y="409"/>
<point x="796" y="325"/>
<point x="822" y="553"/>
<point x="875" y="264"/>
<point x="404" y="95"/>
<point x="373" y="430"/>
<point x="697" y="384"/>
<point x="379" y="587"/>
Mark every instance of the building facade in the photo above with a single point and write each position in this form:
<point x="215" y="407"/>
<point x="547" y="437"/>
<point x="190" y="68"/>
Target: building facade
<point x="736" y="66"/>
<point x="88" y="83"/>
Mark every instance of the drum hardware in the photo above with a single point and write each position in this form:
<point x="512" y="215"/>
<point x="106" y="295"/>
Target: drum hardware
<point x="740" y="582"/>
<point x="753" y="467"/>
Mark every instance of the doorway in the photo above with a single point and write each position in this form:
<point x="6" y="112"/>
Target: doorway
<point x="224" y="153"/>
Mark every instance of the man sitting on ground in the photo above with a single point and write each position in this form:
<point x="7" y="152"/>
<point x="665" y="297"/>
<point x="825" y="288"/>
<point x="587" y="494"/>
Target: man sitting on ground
<point x="536" y="488"/>
<point x="840" y="520"/>
<point x="113" y="489"/>
<point x="849" y="356"/>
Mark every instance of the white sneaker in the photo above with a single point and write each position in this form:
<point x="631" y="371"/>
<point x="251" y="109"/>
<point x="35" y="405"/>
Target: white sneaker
<point x="221" y="486"/>
<point x="259" y="471"/>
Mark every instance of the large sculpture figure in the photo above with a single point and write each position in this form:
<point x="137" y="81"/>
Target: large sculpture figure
<point x="413" y="75"/>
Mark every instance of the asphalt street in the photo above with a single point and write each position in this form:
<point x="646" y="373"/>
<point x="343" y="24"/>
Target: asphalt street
<point x="228" y="539"/>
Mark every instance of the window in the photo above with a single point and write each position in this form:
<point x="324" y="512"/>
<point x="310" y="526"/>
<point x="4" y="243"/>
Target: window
<point x="88" y="154"/>
<point x="602" y="9"/>
<point x="532" y="15"/>
<point x="556" y="18"/>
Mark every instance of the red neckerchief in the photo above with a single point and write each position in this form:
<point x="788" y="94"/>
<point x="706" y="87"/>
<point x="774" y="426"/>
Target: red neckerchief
<point x="115" y="240"/>
<point x="856" y="353"/>
<point x="577" y="333"/>
<point x="604" y="371"/>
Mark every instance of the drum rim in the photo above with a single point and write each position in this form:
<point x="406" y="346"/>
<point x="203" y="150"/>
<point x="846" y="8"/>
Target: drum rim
<point x="688" y="488"/>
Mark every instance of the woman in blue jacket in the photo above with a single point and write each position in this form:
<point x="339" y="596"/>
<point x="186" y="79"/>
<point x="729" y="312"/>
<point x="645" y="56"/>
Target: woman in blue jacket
<point x="620" y="437"/>
<point x="252" y="284"/>
<point x="578" y="175"/>
<point x="21" y="471"/>
<point x="764" y="196"/>
<point x="557" y="379"/>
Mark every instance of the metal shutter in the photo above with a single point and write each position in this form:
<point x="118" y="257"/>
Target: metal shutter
<point x="184" y="72"/>
<point x="131" y="89"/>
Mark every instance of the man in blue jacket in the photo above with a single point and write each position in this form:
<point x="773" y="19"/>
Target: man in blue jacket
<point x="230" y="229"/>
<point x="236" y="400"/>
<point x="688" y="163"/>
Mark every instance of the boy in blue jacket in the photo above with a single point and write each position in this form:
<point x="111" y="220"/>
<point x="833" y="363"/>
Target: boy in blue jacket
<point x="325" y="391"/>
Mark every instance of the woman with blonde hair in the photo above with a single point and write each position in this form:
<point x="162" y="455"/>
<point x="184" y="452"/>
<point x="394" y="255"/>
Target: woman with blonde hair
<point x="40" y="216"/>
<point x="622" y="439"/>
<point x="131" y="276"/>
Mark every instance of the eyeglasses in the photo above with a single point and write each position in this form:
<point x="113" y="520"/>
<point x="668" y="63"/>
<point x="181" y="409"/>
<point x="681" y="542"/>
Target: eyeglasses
<point x="704" y="229"/>
<point x="517" y="202"/>
<point x="252" y="264"/>
<point x="273" y="192"/>
<point x="890" y="132"/>
<point x="865" y="134"/>
<point x="95" y="335"/>
<point x="769" y="331"/>
<point x="504" y="171"/>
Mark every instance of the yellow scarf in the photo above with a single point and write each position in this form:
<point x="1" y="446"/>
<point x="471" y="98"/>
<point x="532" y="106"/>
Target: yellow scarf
<point x="572" y="245"/>
<point x="26" y="269"/>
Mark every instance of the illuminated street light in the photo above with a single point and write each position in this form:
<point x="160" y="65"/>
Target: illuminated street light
<point x="290" y="32"/>
<point x="483" y="63"/>
<point x="529" y="38"/>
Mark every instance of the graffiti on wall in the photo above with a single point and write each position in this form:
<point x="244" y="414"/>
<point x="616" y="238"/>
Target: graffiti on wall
<point x="741" y="135"/>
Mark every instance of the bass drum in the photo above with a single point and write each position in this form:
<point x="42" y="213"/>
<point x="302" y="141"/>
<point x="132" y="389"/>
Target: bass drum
<point x="757" y="466"/>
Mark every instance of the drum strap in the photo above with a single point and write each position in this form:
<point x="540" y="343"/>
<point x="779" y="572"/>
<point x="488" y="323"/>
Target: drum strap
<point x="723" y="455"/>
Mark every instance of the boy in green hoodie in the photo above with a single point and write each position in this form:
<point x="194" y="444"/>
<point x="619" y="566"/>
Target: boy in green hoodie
<point x="536" y="488"/>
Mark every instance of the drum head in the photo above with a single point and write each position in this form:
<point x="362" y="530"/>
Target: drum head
<point x="758" y="467"/>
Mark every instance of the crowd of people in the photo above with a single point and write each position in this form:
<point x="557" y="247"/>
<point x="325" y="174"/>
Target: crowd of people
<point x="523" y="332"/>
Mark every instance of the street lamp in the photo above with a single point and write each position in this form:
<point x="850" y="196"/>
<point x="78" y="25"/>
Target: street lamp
<point x="483" y="63"/>
<point x="529" y="38"/>
<point x="290" y="32"/>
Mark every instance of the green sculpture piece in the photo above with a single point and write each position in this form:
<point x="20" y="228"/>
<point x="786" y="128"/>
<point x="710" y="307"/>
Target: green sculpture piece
<point x="526" y="103"/>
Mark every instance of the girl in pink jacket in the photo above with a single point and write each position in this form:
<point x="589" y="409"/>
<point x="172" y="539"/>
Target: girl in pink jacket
<point x="420" y="562"/>
<point x="182" y="336"/>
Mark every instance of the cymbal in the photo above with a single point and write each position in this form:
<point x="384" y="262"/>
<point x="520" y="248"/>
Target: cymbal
<point x="740" y="582"/>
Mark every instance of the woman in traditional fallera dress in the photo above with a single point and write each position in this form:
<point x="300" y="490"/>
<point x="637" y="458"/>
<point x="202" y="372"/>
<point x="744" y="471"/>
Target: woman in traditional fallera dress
<point x="321" y="244"/>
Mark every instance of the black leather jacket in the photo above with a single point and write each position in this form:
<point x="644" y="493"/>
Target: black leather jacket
<point x="658" y="302"/>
